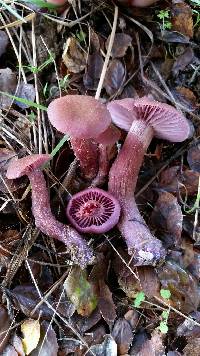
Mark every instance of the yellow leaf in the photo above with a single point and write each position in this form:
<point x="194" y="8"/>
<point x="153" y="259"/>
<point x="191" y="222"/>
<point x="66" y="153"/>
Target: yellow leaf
<point x="31" y="332"/>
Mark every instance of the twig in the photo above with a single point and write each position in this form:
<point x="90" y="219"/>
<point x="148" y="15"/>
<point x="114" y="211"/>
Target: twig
<point x="110" y="45"/>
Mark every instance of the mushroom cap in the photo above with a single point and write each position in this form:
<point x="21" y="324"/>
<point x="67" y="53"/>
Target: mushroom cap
<point x="93" y="211"/>
<point x="79" y="116"/>
<point x="167" y="122"/>
<point x="23" y="166"/>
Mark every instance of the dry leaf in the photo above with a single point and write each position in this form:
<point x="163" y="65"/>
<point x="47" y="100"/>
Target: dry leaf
<point x="123" y="335"/>
<point x="115" y="77"/>
<point x="8" y="84"/>
<point x="121" y="43"/>
<point x="192" y="347"/>
<point x="3" y="42"/>
<point x="93" y="71"/>
<point x="167" y="216"/>
<point x="31" y="335"/>
<point x="73" y="56"/>
<point x="181" y="18"/>
<point x="107" y="348"/>
<point x="25" y="91"/>
<point x="193" y="158"/>
<point x="183" y="60"/>
<point x="48" y="344"/>
<point x="4" y="326"/>
<point x="106" y="304"/>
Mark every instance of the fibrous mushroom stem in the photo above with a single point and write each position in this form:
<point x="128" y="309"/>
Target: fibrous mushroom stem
<point x="86" y="151"/>
<point x="103" y="170"/>
<point x="47" y="223"/>
<point x="144" y="247"/>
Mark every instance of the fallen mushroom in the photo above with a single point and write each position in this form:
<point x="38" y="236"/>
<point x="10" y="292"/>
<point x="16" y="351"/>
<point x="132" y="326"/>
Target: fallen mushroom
<point x="93" y="211"/>
<point x="143" y="119"/>
<point x="41" y="209"/>
<point x="87" y="121"/>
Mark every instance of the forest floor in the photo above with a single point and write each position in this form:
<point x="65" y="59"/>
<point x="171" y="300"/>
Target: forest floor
<point x="50" y="306"/>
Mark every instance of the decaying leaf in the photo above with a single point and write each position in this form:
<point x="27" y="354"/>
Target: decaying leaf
<point x="3" y="42"/>
<point x="184" y="289"/>
<point x="167" y="215"/>
<point x="93" y="71"/>
<point x="73" y="56"/>
<point x="193" y="158"/>
<point x="121" y="43"/>
<point x="31" y="335"/>
<point x="174" y="181"/>
<point x="115" y="77"/>
<point x="106" y="304"/>
<point x="123" y="335"/>
<point x="107" y="348"/>
<point x="8" y="84"/>
<point x="25" y="91"/>
<point x="47" y="345"/>
<point x="145" y="346"/>
<point x="4" y="327"/>
<point x="188" y="328"/>
<point x="25" y="298"/>
<point x="80" y="291"/>
<point x="192" y="347"/>
<point x="183" y="60"/>
<point x="181" y="17"/>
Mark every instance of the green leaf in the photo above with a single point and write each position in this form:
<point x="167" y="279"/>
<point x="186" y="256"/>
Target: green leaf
<point x="165" y="293"/>
<point x="165" y="314"/>
<point x="140" y="297"/>
<point x="25" y="101"/>
<point x="40" y="3"/>
<point x="163" y="327"/>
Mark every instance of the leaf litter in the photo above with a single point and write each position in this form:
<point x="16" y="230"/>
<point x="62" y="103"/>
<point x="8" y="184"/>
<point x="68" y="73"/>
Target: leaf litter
<point x="112" y="307"/>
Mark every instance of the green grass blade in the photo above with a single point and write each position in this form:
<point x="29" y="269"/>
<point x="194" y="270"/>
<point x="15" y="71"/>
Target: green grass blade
<point x="12" y="11"/>
<point x="25" y="101"/>
<point x="41" y="4"/>
<point x="59" y="145"/>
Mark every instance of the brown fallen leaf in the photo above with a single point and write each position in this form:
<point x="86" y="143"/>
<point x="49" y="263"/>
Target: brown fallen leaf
<point x="123" y="335"/>
<point x="181" y="18"/>
<point x="48" y="344"/>
<point x="121" y="43"/>
<point x="115" y="77"/>
<point x="183" y="60"/>
<point x="73" y="56"/>
<point x="143" y="346"/>
<point x="107" y="348"/>
<point x="106" y="304"/>
<point x="187" y="95"/>
<point x="188" y="328"/>
<point x="192" y="347"/>
<point x="4" y="327"/>
<point x="93" y="71"/>
<point x="184" y="288"/>
<point x="193" y="158"/>
<point x="175" y="181"/>
<point x="3" y="42"/>
<point x="8" y="83"/>
<point x="167" y="216"/>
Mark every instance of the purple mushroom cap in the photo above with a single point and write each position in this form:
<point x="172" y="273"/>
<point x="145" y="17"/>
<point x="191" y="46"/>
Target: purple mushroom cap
<point x="93" y="211"/>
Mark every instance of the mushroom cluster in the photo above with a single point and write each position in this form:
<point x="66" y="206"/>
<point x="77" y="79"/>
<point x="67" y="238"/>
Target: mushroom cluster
<point x="94" y="129"/>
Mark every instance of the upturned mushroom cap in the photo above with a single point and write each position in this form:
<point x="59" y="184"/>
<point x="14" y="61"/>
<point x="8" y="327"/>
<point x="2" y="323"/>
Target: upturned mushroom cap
<point x="93" y="211"/>
<point x="167" y="122"/>
<point x="79" y="116"/>
<point x="23" y="166"/>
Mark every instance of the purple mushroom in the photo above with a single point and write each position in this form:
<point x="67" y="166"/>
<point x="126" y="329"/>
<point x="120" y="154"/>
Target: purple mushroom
<point x="87" y="121"/>
<point x="93" y="211"/>
<point x="44" y="219"/>
<point x="143" y="119"/>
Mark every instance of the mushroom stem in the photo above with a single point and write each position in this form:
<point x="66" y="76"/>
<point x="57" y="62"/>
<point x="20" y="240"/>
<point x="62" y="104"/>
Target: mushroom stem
<point x="47" y="223"/>
<point x="103" y="171"/>
<point x="145" y="248"/>
<point x="86" y="151"/>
